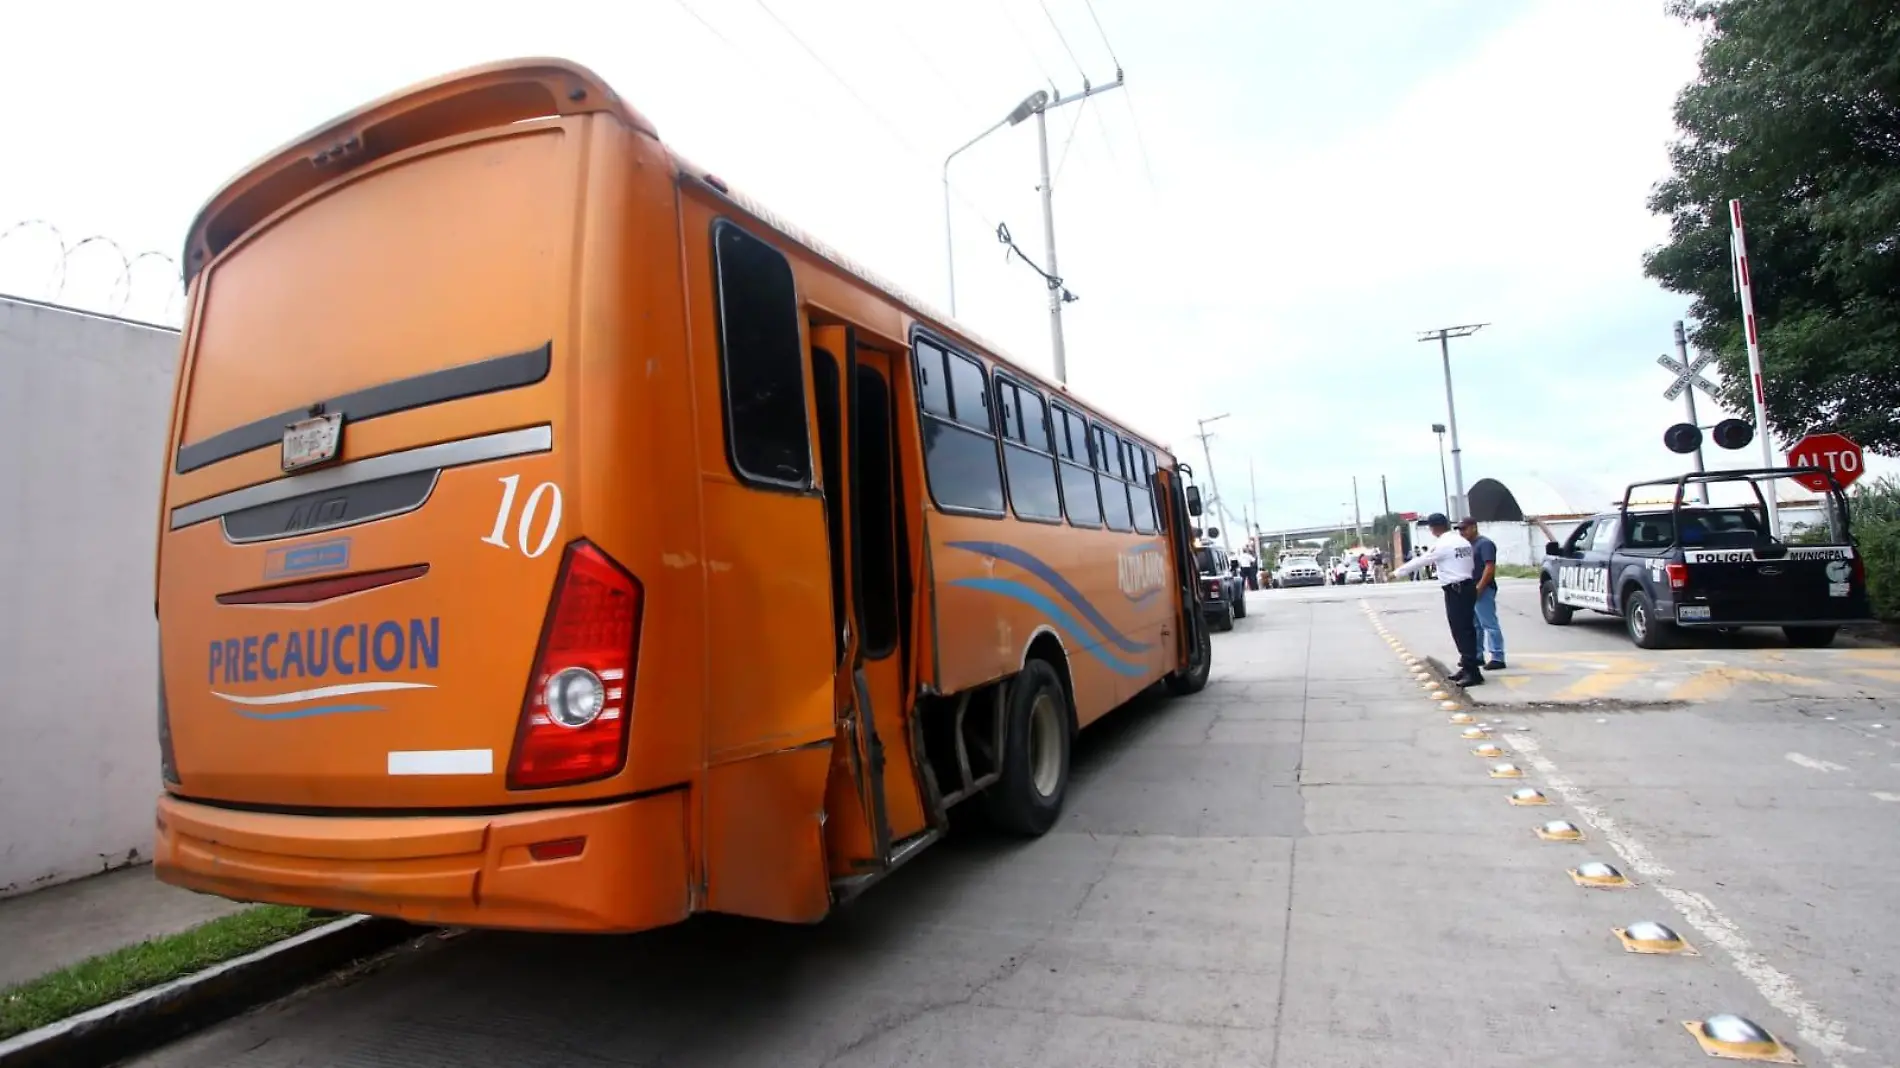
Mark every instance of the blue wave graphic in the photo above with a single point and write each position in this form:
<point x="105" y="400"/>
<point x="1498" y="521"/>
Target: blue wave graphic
<point x="1062" y="618"/>
<point x="1056" y="582"/>
<point x="306" y="713"/>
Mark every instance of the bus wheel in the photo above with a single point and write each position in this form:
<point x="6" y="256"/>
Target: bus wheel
<point x="1028" y="797"/>
<point x="1194" y="678"/>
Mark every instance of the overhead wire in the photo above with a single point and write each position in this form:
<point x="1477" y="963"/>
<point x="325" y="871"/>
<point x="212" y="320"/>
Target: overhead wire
<point x="1141" y="143"/>
<point x="1022" y="39"/>
<point x="895" y="131"/>
<point x="1081" y="106"/>
<point x="1093" y="17"/>
<point x="1046" y="13"/>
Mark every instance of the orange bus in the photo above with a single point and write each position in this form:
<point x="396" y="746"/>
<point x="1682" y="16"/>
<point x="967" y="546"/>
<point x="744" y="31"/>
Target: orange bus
<point x="553" y="539"/>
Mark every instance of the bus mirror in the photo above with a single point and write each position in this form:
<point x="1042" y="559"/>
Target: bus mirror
<point x="1194" y="500"/>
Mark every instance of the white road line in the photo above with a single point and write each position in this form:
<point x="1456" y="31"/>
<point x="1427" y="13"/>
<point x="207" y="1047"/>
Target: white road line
<point x="1882" y="795"/>
<point x="1820" y="1032"/>
<point x="1813" y="764"/>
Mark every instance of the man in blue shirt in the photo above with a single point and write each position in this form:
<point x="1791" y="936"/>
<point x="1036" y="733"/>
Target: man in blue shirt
<point x="1485" y="565"/>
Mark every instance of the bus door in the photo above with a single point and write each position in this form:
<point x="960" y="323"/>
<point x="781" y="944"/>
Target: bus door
<point x="873" y="799"/>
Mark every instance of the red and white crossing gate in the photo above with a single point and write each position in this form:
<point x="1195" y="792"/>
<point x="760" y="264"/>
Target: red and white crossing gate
<point x="1833" y="452"/>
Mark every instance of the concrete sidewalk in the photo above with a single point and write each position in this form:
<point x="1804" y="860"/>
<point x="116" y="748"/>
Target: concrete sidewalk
<point x="62" y="925"/>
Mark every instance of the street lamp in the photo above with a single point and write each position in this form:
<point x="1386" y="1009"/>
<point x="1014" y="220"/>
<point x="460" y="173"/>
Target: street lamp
<point x="1031" y="105"/>
<point x="1443" y="336"/>
<point x="1443" y="482"/>
<point x="1040" y="105"/>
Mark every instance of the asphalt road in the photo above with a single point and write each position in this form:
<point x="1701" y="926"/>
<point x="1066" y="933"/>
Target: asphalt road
<point x="1303" y="866"/>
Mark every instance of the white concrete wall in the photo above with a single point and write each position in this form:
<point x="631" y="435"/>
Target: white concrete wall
<point x="84" y="403"/>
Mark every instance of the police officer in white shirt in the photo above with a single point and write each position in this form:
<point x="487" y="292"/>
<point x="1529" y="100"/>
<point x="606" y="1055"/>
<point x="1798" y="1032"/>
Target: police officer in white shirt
<point x="1453" y="556"/>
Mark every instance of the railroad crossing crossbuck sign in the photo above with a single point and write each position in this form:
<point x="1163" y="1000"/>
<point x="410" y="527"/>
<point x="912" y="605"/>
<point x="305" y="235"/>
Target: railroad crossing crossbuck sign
<point x="1687" y="377"/>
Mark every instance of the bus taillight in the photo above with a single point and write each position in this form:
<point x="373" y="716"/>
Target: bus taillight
<point x="580" y="695"/>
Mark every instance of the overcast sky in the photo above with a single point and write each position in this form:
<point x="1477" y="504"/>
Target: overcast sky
<point x="1259" y="225"/>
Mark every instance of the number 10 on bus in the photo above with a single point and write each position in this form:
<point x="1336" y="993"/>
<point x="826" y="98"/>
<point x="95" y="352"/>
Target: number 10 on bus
<point x="530" y="510"/>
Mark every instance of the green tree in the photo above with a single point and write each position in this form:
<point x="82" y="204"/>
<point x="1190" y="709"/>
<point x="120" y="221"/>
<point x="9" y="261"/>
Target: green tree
<point x="1795" y="110"/>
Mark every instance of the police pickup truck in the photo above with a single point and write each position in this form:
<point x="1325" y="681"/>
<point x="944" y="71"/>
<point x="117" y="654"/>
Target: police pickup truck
<point x="1687" y="563"/>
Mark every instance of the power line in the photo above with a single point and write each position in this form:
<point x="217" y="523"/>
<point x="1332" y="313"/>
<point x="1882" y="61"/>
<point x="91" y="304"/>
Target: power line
<point x="895" y="131"/>
<point x="1065" y="41"/>
<point x="1098" y="29"/>
<point x="710" y="28"/>
<point x="1070" y="140"/>
<point x="1023" y="40"/>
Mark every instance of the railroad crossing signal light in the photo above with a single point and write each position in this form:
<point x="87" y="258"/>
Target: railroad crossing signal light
<point x="1682" y="438"/>
<point x="1732" y="434"/>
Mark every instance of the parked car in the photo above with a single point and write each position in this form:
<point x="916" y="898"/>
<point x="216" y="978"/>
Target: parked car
<point x="1297" y="571"/>
<point x="1719" y="567"/>
<point x="1223" y="591"/>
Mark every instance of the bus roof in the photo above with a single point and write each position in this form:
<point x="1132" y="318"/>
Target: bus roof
<point x="494" y="94"/>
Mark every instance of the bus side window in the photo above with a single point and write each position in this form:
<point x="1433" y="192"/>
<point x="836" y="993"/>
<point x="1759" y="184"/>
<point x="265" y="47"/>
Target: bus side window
<point x="1031" y="470"/>
<point x="960" y="456"/>
<point x="1141" y="497"/>
<point x="1080" y="498"/>
<point x="1108" y="461"/>
<point x="762" y="364"/>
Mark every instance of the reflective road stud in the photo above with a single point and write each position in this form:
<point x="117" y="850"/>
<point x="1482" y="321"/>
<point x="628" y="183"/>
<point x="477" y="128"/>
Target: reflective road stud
<point x="1506" y="771"/>
<point x="1450" y="706"/>
<point x="1529" y="796"/>
<point x="1439" y="695"/>
<point x="1648" y="936"/>
<point x="1488" y="749"/>
<point x="1475" y="733"/>
<point x="1735" y="1038"/>
<point x="1597" y="875"/>
<point x="1560" y="831"/>
<point x="1461" y="717"/>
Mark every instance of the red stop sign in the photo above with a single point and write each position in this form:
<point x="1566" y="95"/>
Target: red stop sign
<point x="1831" y="452"/>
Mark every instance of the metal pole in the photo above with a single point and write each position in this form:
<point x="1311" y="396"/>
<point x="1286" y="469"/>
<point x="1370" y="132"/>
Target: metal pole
<point x="1213" y="484"/>
<point x="1358" y="530"/>
<point x="949" y="242"/>
<point x="1031" y="104"/>
<point x="1444" y="481"/>
<point x="1385" y="498"/>
<point x="1060" y="358"/>
<point x="1688" y="399"/>
<point x="1745" y="285"/>
<point x="1451" y="411"/>
<point x="1253" y="498"/>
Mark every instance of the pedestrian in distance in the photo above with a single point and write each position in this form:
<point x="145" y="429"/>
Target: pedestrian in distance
<point x="1452" y="556"/>
<point x="1250" y="569"/>
<point x="1484" y="560"/>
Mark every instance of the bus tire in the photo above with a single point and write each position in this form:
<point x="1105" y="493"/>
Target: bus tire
<point x="1027" y="798"/>
<point x="1193" y="679"/>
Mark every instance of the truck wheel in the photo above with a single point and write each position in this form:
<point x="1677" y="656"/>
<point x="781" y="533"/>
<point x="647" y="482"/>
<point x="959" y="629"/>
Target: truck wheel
<point x="1226" y="621"/>
<point x="1639" y="618"/>
<point x="1240" y="604"/>
<point x="1028" y="797"/>
<point x="1557" y="615"/>
<point x="1810" y="637"/>
<point x="1200" y="663"/>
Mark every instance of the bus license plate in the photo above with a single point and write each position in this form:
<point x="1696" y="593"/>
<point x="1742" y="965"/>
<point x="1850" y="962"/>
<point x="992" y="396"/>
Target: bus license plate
<point x="1692" y="612"/>
<point x="312" y="441"/>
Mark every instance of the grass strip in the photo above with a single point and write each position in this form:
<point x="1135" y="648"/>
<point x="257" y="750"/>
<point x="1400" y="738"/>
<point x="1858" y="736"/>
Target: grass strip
<point x="110" y="976"/>
<point x="1519" y="571"/>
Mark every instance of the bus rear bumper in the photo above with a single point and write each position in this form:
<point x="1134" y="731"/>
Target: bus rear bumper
<point x="628" y="872"/>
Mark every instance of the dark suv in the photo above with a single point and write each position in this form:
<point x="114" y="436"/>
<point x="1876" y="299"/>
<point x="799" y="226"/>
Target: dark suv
<point x="1223" y="591"/>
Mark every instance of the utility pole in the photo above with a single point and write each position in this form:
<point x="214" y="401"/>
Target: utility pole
<point x="1213" y="484"/>
<point x="1688" y="398"/>
<point x="1253" y="498"/>
<point x="1385" y="498"/>
<point x="1444" y="481"/>
<point x="1358" y="530"/>
<point x="1443" y="336"/>
<point x="1038" y="104"/>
